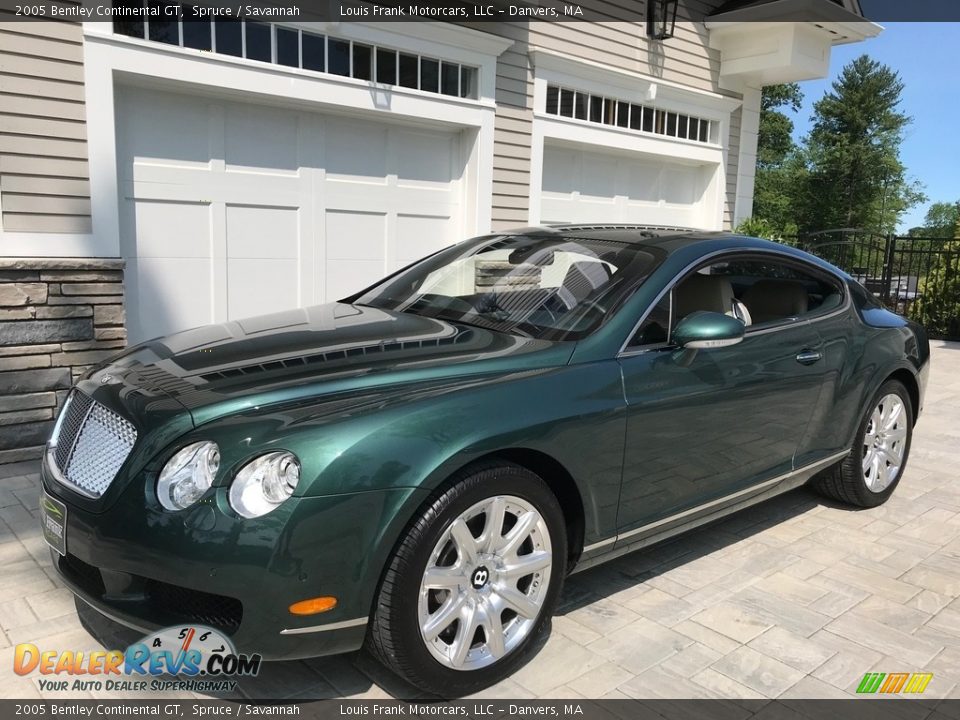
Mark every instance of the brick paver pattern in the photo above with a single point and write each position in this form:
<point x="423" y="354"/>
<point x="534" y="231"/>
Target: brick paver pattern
<point x="794" y="598"/>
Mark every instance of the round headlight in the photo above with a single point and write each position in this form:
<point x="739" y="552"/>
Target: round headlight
<point x="188" y="475"/>
<point x="263" y="483"/>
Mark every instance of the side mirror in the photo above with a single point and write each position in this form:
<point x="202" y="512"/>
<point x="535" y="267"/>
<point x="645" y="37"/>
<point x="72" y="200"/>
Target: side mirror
<point x="706" y="330"/>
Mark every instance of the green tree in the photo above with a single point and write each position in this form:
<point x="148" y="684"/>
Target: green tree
<point x="854" y="177"/>
<point x="772" y="200"/>
<point x="937" y="307"/>
<point x="940" y="221"/>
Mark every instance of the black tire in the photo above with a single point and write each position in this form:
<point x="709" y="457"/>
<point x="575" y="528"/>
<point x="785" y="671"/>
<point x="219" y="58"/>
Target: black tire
<point x="845" y="481"/>
<point x="394" y="636"/>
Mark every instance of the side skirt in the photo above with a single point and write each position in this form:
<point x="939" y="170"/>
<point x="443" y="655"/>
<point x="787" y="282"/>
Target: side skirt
<point x="639" y="538"/>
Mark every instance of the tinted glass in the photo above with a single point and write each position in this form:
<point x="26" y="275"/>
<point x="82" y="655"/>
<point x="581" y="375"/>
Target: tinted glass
<point x="288" y="47"/>
<point x="362" y="62"/>
<point x="197" y="34"/>
<point x="449" y="78"/>
<point x="228" y="37"/>
<point x="429" y="75"/>
<point x="258" y="42"/>
<point x="543" y="287"/>
<point x="655" y="329"/>
<point x="339" y="57"/>
<point x="386" y="66"/>
<point x="313" y="52"/>
<point x="409" y="72"/>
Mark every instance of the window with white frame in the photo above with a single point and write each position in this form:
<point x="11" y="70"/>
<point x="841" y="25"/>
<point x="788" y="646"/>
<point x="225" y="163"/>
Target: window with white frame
<point x="579" y="105"/>
<point x="296" y="48"/>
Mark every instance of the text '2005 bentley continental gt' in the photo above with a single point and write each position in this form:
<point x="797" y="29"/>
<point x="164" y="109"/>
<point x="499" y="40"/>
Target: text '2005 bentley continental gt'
<point x="415" y="469"/>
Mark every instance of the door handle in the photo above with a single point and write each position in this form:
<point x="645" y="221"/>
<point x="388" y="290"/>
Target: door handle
<point x="809" y="357"/>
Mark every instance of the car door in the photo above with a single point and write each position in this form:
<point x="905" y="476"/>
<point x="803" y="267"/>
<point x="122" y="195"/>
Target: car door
<point x="706" y="424"/>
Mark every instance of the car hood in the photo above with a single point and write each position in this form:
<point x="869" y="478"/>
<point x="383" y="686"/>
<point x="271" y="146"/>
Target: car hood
<point x="214" y="370"/>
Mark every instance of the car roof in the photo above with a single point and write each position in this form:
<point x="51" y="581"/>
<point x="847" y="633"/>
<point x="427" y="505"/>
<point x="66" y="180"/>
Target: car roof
<point x="669" y="239"/>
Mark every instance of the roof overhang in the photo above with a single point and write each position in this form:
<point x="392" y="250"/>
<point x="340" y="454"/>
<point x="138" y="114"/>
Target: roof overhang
<point x="766" y="43"/>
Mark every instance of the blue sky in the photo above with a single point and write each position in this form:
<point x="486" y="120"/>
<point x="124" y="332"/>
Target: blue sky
<point x="925" y="55"/>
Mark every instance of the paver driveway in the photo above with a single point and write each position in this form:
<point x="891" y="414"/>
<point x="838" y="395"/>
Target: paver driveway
<point x="794" y="598"/>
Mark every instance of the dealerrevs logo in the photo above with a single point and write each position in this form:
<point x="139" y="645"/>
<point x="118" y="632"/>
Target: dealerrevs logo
<point x="199" y="659"/>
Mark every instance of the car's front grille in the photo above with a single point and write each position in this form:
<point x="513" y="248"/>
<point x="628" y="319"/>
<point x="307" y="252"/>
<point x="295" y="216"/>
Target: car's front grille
<point x="91" y="443"/>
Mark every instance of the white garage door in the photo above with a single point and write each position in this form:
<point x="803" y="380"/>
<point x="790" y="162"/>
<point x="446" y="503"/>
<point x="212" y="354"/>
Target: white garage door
<point x="585" y="186"/>
<point x="231" y="209"/>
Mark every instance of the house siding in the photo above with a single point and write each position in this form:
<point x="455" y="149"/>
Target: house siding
<point x="685" y="59"/>
<point x="44" y="176"/>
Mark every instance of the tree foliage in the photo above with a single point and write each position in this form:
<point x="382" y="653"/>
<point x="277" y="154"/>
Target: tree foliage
<point x="847" y="172"/>
<point x="940" y="222"/>
<point x="937" y="307"/>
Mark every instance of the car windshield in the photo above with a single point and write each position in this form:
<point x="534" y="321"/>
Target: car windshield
<point x="541" y="286"/>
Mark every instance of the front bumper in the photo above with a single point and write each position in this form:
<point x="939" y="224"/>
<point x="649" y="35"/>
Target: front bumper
<point x="148" y="568"/>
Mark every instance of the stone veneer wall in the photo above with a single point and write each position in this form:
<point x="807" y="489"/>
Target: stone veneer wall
<point x="57" y="318"/>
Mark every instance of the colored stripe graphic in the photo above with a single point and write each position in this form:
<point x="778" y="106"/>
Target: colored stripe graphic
<point x="893" y="683"/>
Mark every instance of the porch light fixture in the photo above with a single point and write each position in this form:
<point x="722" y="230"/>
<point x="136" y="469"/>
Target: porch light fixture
<point x="661" y="18"/>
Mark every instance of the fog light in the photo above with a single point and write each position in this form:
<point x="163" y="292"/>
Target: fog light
<point x="313" y="606"/>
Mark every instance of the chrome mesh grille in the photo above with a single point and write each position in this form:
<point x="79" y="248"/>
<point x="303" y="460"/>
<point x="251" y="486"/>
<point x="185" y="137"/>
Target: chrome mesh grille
<point x="91" y="444"/>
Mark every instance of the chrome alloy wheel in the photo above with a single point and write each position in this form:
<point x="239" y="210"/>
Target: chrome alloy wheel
<point x="485" y="583"/>
<point x="884" y="443"/>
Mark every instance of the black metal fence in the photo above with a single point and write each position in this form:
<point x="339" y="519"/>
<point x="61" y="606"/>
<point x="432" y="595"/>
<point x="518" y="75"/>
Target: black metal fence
<point x="917" y="276"/>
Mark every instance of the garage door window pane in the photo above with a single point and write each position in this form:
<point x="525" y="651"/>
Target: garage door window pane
<point x="647" y="120"/>
<point x="386" y="66"/>
<point x="131" y="28"/>
<point x="596" y="108"/>
<point x="449" y="79"/>
<point x="704" y="131"/>
<point x="468" y="82"/>
<point x="258" y="42"/>
<point x="197" y="34"/>
<point x="429" y="75"/>
<point x="553" y="99"/>
<point x="672" y="124"/>
<point x="362" y="62"/>
<point x="288" y="47"/>
<point x="409" y="70"/>
<point x="164" y="31"/>
<point x="636" y="117"/>
<point x="580" y="106"/>
<point x="339" y="52"/>
<point x="623" y="114"/>
<point x="566" y="103"/>
<point x="313" y="52"/>
<point x="228" y="37"/>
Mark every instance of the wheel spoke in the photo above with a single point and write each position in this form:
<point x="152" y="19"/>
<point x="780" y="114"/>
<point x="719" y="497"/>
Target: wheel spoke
<point x="527" y="564"/>
<point x="893" y="415"/>
<point x="875" y="468"/>
<point x="492" y="626"/>
<point x="464" y="541"/>
<point x="518" y="533"/>
<point x="883" y="473"/>
<point x="518" y="602"/>
<point x="493" y="529"/>
<point x="443" y="617"/>
<point x="868" y="460"/>
<point x="444" y="578"/>
<point x="464" y="637"/>
<point x="889" y="456"/>
<point x="897" y="434"/>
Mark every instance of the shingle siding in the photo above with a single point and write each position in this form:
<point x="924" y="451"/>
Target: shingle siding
<point x="44" y="174"/>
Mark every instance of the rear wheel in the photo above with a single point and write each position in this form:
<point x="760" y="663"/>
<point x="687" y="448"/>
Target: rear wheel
<point x="872" y="471"/>
<point x="473" y="584"/>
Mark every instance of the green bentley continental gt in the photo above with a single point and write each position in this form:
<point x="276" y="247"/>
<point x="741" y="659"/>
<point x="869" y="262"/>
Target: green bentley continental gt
<point x="416" y="468"/>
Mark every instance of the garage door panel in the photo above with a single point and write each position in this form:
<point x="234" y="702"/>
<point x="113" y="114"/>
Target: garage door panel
<point x="163" y="128"/>
<point x="426" y="161"/>
<point x="356" y="235"/>
<point x="259" y="208"/>
<point x="356" y="152"/>
<point x="170" y="229"/>
<point x="417" y="236"/>
<point x="262" y="232"/>
<point x="170" y="294"/>
<point x="584" y="185"/>
<point x="262" y="140"/>
<point x="260" y="286"/>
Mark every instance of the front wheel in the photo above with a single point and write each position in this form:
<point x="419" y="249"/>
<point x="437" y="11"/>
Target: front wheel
<point x="472" y="585"/>
<point x="869" y="475"/>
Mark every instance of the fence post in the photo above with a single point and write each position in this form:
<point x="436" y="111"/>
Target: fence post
<point x="888" y="268"/>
